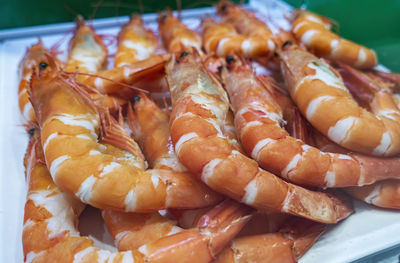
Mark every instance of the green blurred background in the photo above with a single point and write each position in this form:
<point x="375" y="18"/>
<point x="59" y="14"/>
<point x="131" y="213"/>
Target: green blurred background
<point x="375" y="24"/>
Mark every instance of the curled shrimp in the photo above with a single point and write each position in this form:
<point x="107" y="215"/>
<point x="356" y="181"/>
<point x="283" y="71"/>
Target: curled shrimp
<point x="259" y="121"/>
<point x="77" y="134"/>
<point x="200" y="107"/>
<point x="176" y="35"/>
<point x="327" y="104"/>
<point x="260" y="37"/>
<point x="384" y="193"/>
<point x="135" y="43"/>
<point x="313" y="31"/>
<point x="222" y="39"/>
<point x="87" y="50"/>
<point x="50" y="233"/>
<point x="150" y="128"/>
<point x="32" y="57"/>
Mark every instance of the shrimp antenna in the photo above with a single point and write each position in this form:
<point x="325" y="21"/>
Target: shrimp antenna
<point x="111" y="80"/>
<point x="71" y="10"/>
<point x="96" y="7"/>
<point x="140" y="4"/>
<point x="179" y="8"/>
<point x="117" y="5"/>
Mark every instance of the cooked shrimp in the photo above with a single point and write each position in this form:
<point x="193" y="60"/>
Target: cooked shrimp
<point x="87" y="51"/>
<point x="50" y="233"/>
<point x="385" y="193"/>
<point x="32" y="57"/>
<point x="247" y="24"/>
<point x="70" y="128"/>
<point x="222" y="39"/>
<point x="200" y="106"/>
<point x="328" y="105"/>
<point x="177" y="36"/>
<point x="259" y="122"/>
<point x="150" y="129"/>
<point x="314" y="32"/>
<point x="135" y="43"/>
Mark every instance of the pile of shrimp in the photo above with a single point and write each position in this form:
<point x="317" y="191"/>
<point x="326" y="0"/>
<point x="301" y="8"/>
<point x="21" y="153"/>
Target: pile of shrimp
<point x="190" y="155"/>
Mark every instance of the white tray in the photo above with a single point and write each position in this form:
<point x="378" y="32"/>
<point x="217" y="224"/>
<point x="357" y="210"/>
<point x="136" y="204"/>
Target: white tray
<point x="368" y="231"/>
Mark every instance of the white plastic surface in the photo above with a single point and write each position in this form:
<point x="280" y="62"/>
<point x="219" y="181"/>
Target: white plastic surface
<point x="368" y="231"/>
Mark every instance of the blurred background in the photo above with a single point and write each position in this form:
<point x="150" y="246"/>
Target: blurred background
<point x="375" y="24"/>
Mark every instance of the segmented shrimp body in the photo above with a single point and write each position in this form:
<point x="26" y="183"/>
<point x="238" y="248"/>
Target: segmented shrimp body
<point x="177" y="36"/>
<point x="135" y="43"/>
<point x="32" y="57"/>
<point x="259" y="36"/>
<point x="327" y="104"/>
<point x="87" y="50"/>
<point x="384" y="193"/>
<point x="259" y="125"/>
<point x="313" y="31"/>
<point x="70" y="128"/>
<point x="222" y="39"/>
<point x="200" y="106"/>
<point x="50" y="233"/>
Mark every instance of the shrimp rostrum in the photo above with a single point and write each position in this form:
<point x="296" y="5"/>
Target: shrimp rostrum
<point x="106" y="171"/>
<point x="200" y="106"/>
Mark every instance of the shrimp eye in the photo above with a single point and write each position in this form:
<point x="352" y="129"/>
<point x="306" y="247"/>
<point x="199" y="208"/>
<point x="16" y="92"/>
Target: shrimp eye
<point x="229" y="59"/>
<point x="42" y="65"/>
<point x="135" y="99"/>
<point x="219" y="69"/>
<point x="31" y="131"/>
<point x="183" y="54"/>
<point x="223" y="8"/>
<point x="287" y="43"/>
